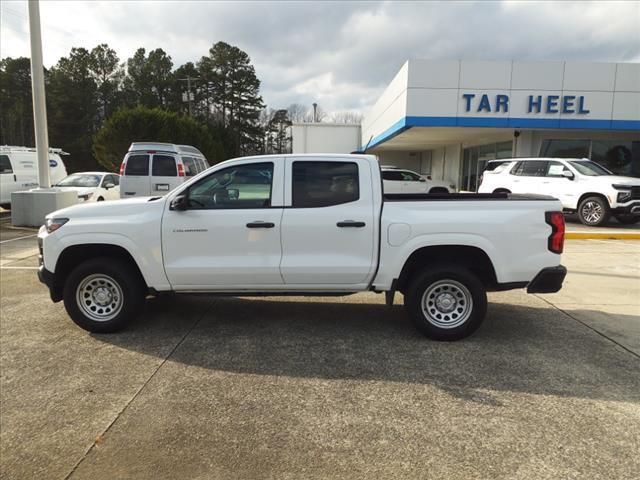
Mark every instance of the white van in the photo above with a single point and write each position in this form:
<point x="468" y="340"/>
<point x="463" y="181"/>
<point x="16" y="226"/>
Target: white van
<point x="157" y="168"/>
<point x="19" y="170"/>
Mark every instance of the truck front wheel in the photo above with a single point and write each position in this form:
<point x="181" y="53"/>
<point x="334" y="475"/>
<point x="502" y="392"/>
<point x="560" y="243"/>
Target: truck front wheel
<point x="102" y="295"/>
<point x="446" y="302"/>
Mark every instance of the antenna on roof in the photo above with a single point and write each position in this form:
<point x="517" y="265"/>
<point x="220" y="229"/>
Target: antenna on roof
<point x="364" y="150"/>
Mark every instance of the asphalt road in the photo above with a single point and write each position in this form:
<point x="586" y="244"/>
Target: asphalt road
<point x="549" y="387"/>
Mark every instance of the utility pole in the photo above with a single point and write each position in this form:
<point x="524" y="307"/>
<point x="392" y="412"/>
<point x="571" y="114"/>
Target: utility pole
<point x="315" y="107"/>
<point x="39" y="102"/>
<point x="189" y="95"/>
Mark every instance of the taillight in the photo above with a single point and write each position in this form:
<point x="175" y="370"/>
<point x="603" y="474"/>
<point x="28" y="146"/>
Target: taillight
<point x="180" y="170"/>
<point x="556" y="239"/>
<point x="122" y="169"/>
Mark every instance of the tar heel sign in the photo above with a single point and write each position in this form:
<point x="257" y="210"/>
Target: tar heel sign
<point x="566" y="104"/>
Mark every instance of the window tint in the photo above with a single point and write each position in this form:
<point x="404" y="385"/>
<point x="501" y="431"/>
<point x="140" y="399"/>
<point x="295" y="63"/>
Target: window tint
<point x="241" y="186"/>
<point x="190" y="166"/>
<point x="137" y="165"/>
<point x="555" y="169"/>
<point x="164" y="166"/>
<point x="116" y="179"/>
<point x="321" y="184"/>
<point x="5" y="164"/>
<point x="391" y="175"/>
<point x="491" y="166"/>
<point x="530" y="168"/>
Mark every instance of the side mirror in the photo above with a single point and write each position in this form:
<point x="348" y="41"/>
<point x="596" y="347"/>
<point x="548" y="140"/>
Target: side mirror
<point x="109" y="185"/>
<point x="568" y="174"/>
<point x="422" y="180"/>
<point x="181" y="202"/>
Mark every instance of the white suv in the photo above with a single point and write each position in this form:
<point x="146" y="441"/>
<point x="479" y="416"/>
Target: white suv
<point x="581" y="185"/>
<point x="398" y="180"/>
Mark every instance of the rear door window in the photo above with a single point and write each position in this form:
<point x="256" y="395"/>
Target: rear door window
<point x="190" y="166"/>
<point x="530" y="168"/>
<point x="391" y="175"/>
<point x="322" y="184"/>
<point x="137" y="165"/>
<point x="164" y="166"/>
<point x="409" y="176"/>
<point x="5" y="164"/>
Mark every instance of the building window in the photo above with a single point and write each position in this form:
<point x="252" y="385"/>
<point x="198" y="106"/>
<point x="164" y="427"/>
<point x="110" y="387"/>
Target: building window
<point x="474" y="161"/>
<point x="621" y="157"/>
<point x="565" y="149"/>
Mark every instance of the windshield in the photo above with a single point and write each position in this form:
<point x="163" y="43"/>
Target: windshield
<point x="79" y="181"/>
<point x="591" y="169"/>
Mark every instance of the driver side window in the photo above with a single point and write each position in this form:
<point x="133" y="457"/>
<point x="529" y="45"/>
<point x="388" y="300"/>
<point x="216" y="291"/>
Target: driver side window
<point x="240" y="186"/>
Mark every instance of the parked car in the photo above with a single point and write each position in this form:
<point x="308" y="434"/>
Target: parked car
<point x="92" y="186"/>
<point x="399" y="180"/>
<point x="19" y="170"/>
<point x="581" y="185"/>
<point x="323" y="226"/>
<point x="158" y="168"/>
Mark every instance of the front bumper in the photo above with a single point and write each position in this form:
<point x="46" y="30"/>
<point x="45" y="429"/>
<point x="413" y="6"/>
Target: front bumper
<point x="48" y="278"/>
<point x="631" y="207"/>
<point x="548" y="280"/>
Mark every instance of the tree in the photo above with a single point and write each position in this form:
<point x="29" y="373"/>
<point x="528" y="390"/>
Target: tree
<point x="72" y="108"/>
<point x="16" y="107"/>
<point x="233" y="97"/>
<point x="297" y="112"/>
<point x="154" y="125"/>
<point x="347" y="117"/>
<point x="149" y="79"/>
<point x="107" y="73"/>
<point x="278" y="132"/>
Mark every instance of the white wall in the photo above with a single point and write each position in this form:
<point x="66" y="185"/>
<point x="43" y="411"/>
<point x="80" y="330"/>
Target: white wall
<point x="325" y="138"/>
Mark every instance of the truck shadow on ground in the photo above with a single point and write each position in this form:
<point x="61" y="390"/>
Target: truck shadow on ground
<point x="517" y="349"/>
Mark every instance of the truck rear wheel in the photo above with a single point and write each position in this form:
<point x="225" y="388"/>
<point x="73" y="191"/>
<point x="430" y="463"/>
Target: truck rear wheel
<point x="103" y="295"/>
<point x="446" y="302"/>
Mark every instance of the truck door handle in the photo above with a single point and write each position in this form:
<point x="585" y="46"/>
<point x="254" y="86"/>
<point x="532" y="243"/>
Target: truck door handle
<point x="350" y="223"/>
<point x="260" y="225"/>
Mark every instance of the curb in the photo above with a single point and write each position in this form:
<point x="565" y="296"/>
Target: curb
<point x="602" y="235"/>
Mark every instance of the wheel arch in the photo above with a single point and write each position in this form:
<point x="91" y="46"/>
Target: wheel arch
<point x="471" y="257"/>
<point x="584" y="196"/>
<point x="73" y="255"/>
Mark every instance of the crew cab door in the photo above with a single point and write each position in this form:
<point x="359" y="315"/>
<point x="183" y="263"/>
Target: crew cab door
<point x="557" y="185"/>
<point x="328" y="223"/>
<point x="228" y="237"/>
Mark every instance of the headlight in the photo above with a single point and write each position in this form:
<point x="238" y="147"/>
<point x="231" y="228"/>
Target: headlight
<point x="53" y="224"/>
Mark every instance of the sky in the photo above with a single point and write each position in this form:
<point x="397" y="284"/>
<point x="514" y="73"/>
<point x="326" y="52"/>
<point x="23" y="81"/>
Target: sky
<point x="339" y="54"/>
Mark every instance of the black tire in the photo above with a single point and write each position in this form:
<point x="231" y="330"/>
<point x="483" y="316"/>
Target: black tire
<point x="501" y="190"/>
<point x="628" y="219"/>
<point x="439" y="190"/>
<point x="119" y="279"/>
<point x="470" y="313"/>
<point x="594" y="211"/>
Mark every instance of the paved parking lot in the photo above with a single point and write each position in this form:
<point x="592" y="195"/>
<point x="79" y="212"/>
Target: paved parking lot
<point x="549" y="387"/>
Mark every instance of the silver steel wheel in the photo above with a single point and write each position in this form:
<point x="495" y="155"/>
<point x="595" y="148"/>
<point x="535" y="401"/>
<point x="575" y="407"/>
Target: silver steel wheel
<point x="447" y="304"/>
<point x="592" y="212"/>
<point x="99" y="297"/>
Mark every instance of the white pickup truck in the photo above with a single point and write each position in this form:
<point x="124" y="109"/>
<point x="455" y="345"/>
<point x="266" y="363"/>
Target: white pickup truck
<point x="302" y="224"/>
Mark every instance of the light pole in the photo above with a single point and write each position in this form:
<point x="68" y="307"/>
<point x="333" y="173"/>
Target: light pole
<point x="37" y="89"/>
<point x="29" y="207"/>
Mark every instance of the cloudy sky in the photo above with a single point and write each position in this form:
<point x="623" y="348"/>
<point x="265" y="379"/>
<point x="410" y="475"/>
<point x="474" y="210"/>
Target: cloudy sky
<point x="339" y="54"/>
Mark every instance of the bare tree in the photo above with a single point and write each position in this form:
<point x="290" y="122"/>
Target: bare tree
<point x="297" y="112"/>
<point x="347" y="117"/>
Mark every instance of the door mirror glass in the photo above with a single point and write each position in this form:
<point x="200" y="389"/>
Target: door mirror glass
<point x="422" y="180"/>
<point x="181" y="202"/>
<point x="109" y="185"/>
<point x="568" y="174"/>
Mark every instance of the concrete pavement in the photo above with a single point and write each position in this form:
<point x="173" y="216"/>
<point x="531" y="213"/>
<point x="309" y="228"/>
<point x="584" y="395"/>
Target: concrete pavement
<point x="549" y="387"/>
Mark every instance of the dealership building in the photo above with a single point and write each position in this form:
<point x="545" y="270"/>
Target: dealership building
<point x="447" y="118"/>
